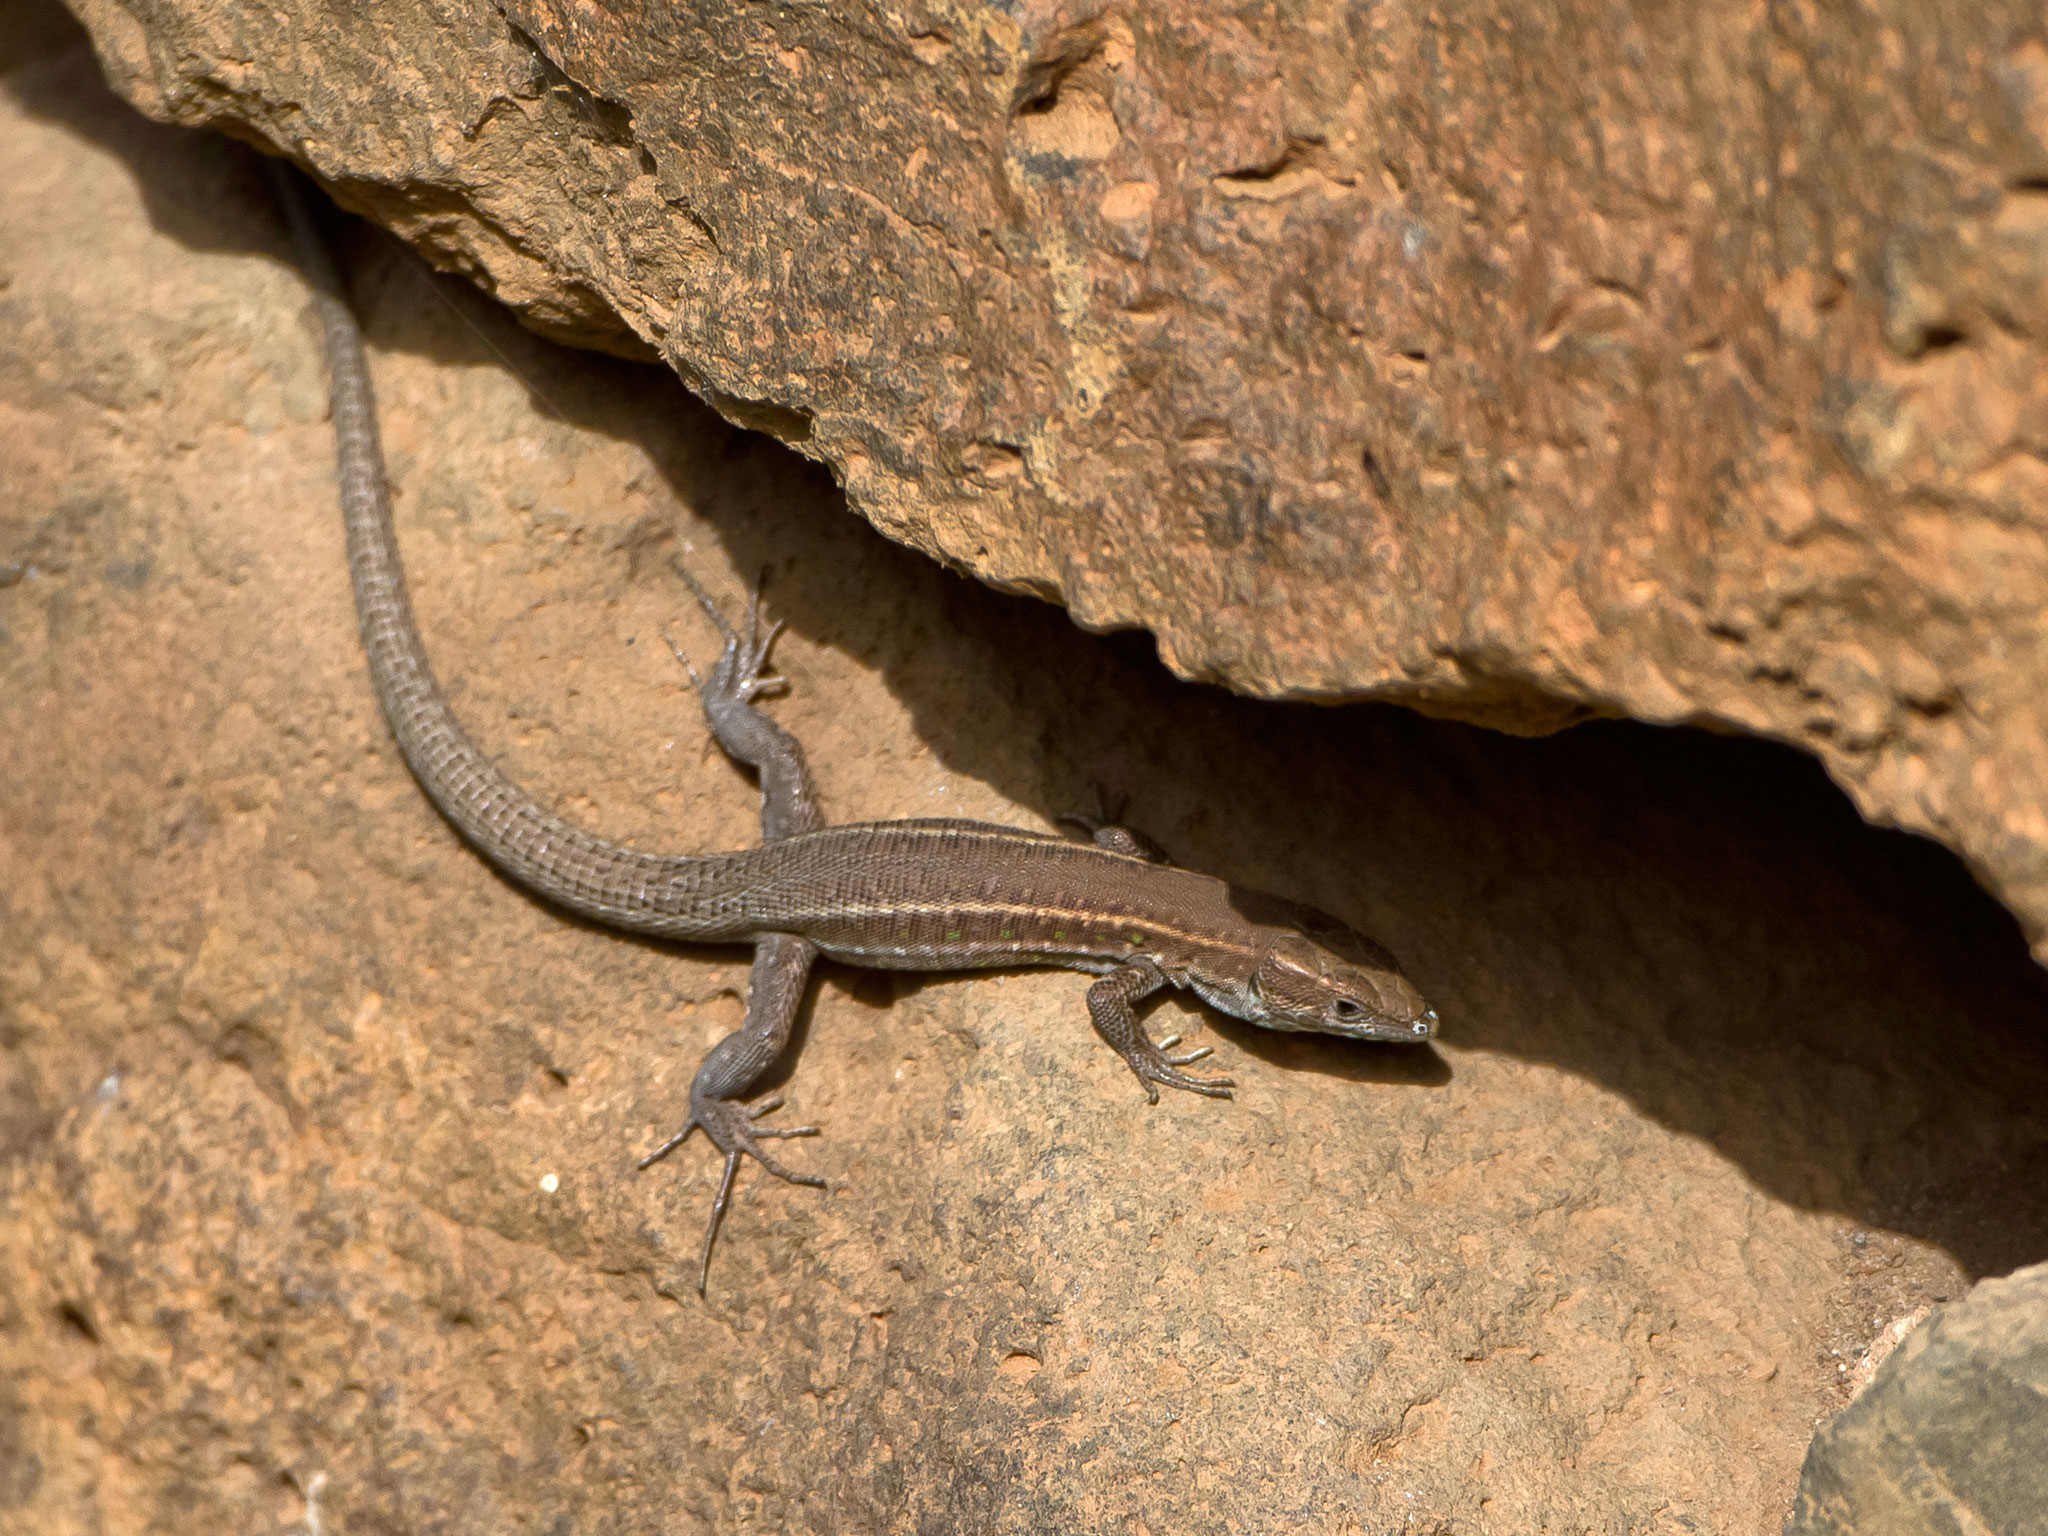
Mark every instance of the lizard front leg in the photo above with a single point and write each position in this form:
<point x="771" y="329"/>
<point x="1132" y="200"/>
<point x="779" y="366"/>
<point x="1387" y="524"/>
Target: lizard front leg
<point x="1105" y="830"/>
<point x="782" y="964"/>
<point x="1111" y="1004"/>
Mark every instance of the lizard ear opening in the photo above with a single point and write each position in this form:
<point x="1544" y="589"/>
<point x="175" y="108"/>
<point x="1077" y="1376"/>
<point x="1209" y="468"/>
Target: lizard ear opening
<point x="1257" y="1011"/>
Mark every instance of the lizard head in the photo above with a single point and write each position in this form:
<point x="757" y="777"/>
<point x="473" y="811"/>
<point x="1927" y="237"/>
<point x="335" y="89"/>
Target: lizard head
<point x="1315" y="974"/>
<point x="1300" y="985"/>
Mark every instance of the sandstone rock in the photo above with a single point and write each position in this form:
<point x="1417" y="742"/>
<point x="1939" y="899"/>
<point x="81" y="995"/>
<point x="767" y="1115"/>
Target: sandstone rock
<point x="1952" y="1433"/>
<point x="316" y="1139"/>
<point x="1527" y="360"/>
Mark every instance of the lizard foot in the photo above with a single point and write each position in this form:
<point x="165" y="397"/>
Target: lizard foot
<point x="1110" y="1003"/>
<point x="1165" y="1073"/>
<point x="733" y="1129"/>
<point x="1155" y="1069"/>
<point x="1104" y="829"/>
<point x="741" y="674"/>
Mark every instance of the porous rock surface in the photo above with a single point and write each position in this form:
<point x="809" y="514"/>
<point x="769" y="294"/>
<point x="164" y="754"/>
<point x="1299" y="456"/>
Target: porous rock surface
<point x="316" y="1138"/>
<point x="1952" y="1432"/>
<point x="1517" y="359"/>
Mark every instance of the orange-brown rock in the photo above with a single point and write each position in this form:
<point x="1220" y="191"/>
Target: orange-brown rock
<point x="316" y="1139"/>
<point x="1517" y="360"/>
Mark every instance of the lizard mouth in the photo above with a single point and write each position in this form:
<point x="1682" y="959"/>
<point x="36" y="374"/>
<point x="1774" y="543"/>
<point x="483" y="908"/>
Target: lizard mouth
<point x="1387" y="1027"/>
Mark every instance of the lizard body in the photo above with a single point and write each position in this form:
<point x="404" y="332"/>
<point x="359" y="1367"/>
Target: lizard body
<point x="923" y="895"/>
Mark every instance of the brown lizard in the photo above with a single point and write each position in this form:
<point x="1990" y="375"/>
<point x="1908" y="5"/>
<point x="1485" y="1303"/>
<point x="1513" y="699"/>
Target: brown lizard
<point x="922" y="895"/>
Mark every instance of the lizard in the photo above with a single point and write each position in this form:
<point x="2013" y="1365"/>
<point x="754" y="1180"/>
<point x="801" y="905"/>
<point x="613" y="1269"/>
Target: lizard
<point x="926" y="894"/>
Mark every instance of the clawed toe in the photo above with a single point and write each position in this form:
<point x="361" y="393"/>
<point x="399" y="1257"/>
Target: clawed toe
<point x="787" y="1175"/>
<point x="677" y="652"/>
<point x="665" y="1148"/>
<point x="739" y="669"/>
<point x="1187" y="1058"/>
<point x="703" y="598"/>
<point x="1166" y="1073"/>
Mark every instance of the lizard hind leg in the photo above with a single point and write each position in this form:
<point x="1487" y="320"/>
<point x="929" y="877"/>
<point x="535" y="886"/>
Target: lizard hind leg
<point x="782" y="966"/>
<point x="789" y="798"/>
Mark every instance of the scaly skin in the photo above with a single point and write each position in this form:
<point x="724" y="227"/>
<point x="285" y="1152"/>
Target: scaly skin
<point x="897" y="895"/>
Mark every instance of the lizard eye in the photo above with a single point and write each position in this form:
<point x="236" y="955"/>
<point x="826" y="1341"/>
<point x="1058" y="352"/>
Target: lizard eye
<point x="1348" y="1010"/>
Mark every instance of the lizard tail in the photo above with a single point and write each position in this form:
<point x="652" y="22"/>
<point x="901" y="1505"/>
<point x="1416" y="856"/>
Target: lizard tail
<point x="673" y="896"/>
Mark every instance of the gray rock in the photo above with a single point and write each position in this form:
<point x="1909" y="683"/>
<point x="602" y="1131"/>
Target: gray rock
<point x="1951" y="1436"/>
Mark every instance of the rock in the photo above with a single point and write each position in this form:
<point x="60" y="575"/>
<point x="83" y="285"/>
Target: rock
<point x="1952" y="1433"/>
<point x="316" y="1139"/>
<point x="1519" y="364"/>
